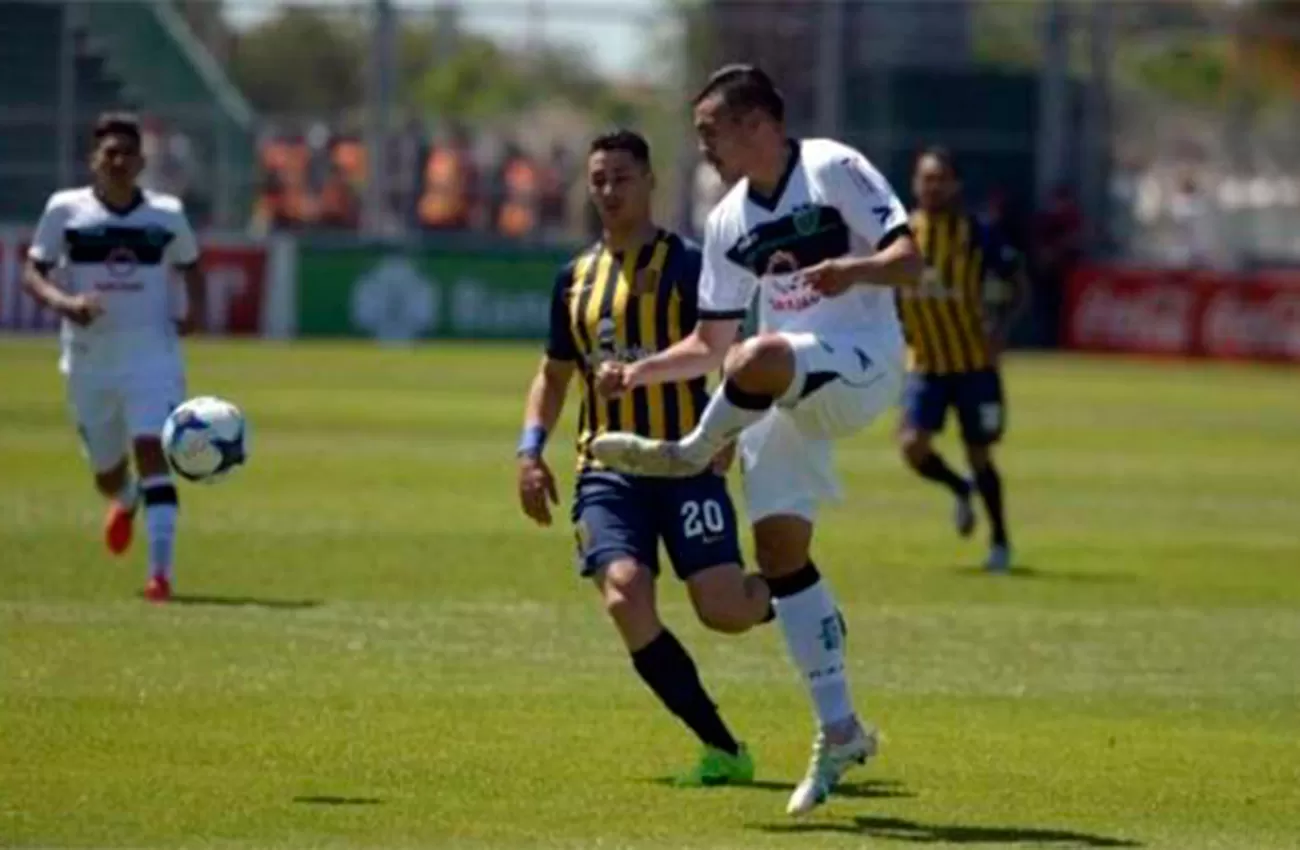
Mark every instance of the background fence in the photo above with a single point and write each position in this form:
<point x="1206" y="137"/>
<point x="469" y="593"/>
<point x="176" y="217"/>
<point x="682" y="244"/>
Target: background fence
<point x="1165" y="130"/>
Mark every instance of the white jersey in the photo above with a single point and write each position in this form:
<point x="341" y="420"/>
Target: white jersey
<point x="832" y="202"/>
<point x="125" y="257"/>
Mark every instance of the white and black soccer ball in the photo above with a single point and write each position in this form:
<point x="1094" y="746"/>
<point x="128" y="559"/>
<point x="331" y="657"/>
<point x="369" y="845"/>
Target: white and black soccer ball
<point x="205" y="438"/>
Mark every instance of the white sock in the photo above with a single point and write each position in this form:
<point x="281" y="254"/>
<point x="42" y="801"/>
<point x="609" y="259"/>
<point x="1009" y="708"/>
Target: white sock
<point x="160" y="510"/>
<point x="810" y="622"/>
<point x="728" y="412"/>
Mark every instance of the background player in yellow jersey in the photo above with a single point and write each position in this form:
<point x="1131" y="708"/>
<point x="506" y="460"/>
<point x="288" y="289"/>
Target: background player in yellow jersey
<point x="631" y="294"/>
<point x="954" y="342"/>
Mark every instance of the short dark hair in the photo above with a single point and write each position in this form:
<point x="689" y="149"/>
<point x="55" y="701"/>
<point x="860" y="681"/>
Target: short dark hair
<point x="117" y="124"/>
<point x="942" y="155"/>
<point x="744" y="88"/>
<point x="629" y="142"/>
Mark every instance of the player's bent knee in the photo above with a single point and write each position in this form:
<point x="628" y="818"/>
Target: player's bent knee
<point x="722" y="600"/>
<point x="761" y="363"/>
<point x="628" y="591"/>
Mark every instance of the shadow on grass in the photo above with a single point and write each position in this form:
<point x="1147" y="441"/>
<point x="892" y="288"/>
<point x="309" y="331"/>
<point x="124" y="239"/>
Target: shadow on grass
<point x="914" y="832"/>
<point x="1027" y="572"/>
<point x="243" y="601"/>
<point x="871" y="789"/>
<point x="332" y="800"/>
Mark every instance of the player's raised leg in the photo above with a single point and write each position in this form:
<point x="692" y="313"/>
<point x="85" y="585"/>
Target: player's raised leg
<point x="97" y="410"/>
<point x="759" y="371"/>
<point x="925" y="404"/>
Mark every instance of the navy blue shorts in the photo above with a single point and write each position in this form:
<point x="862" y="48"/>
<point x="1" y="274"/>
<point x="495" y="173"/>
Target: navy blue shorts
<point x="621" y="516"/>
<point x="976" y="396"/>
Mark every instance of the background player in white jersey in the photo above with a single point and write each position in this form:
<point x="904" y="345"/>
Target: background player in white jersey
<point x="112" y="248"/>
<point x="813" y="227"/>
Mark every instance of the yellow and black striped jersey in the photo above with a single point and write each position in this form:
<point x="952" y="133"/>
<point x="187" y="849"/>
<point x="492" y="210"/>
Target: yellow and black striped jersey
<point x="944" y="316"/>
<point x="607" y="306"/>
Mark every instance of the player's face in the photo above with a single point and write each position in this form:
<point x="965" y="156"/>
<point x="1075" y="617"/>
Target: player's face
<point x="117" y="160"/>
<point x="933" y="184"/>
<point x="725" y="138"/>
<point x="620" y="187"/>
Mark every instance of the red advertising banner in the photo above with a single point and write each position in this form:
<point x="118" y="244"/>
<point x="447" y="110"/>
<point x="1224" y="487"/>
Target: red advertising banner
<point x="237" y="276"/>
<point x="1252" y="316"/>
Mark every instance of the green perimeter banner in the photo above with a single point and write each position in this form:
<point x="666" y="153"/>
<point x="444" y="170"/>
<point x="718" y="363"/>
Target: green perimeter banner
<point x="400" y="293"/>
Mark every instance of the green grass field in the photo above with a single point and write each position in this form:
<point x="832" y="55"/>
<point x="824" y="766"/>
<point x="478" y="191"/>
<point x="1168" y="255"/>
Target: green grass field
<point x="375" y="650"/>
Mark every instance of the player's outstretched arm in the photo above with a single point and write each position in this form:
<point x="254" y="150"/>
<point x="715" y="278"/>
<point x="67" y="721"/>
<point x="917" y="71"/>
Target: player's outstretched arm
<point x="898" y="264"/>
<point x="699" y="353"/>
<point x="542" y="409"/>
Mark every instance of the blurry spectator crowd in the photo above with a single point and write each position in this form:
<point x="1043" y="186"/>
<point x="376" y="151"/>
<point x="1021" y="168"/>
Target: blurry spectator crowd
<point x="317" y="179"/>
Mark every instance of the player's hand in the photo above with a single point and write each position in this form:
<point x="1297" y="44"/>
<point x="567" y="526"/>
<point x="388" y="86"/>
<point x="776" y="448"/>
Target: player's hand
<point x="725" y="457"/>
<point x="611" y="380"/>
<point x="536" y="489"/>
<point x="829" y="277"/>
<point x="81" y="309"/>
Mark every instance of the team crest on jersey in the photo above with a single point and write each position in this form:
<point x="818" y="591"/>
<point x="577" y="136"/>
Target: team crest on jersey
<point x="121" y="262"/>
<point x="806" y="218"/>
<point x="782" y="262"/>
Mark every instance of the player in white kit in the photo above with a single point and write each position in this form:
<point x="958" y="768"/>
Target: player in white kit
<point x="102" y="257"/>
<point x="815" y="229"/>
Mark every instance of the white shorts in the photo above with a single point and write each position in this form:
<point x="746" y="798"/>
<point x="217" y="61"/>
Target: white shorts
<point x="842" y="384"/>
<point x="111" y="411"/>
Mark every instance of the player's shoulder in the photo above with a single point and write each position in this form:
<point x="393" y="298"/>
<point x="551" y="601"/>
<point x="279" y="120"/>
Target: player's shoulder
<point x="730" y="208"/>
<point x="69" y="199"/>
<point x="685" y="256"/>
<point x="163" y="202"/>
<point x="820" y="154"/>
<point x="679" y="244"/>
<point x="568" y="269"/>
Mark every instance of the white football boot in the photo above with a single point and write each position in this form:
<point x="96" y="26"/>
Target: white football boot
<point x="637" y="455"/>
<point x="829" y="763"/>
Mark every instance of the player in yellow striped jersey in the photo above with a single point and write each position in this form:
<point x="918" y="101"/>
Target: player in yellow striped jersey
<point x="953" y="343"/>
<point x="630" y="294"/>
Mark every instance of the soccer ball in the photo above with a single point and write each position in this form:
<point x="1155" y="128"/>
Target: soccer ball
<point x="205" y="438"/>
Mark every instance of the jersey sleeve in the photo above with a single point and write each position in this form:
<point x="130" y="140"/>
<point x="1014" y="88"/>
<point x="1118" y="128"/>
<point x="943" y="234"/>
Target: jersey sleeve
<point x="865" y="199"/>
<point x="560" y="344"/>
<point x="48" y="240"/>
<point x="726" y="287"/>
<point x="183" y="250"/>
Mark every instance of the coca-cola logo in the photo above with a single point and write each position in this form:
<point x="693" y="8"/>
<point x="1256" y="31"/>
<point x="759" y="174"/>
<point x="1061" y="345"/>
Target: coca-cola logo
<point x="1153" y="318"/>
<point x="1236" y="323"/>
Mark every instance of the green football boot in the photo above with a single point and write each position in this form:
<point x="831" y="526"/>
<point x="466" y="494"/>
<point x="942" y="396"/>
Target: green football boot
<point x="718" y="767"/>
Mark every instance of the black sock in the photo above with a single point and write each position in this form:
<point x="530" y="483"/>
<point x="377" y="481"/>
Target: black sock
<point x="989" y="483"/>
<point x="797" y="582"/>
<point x="745" y="400"/>
<point x="935" y="469"/>
<point x="664" y="665"/>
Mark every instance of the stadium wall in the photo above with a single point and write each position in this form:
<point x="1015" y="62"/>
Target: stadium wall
<point x="284" y="288"/>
